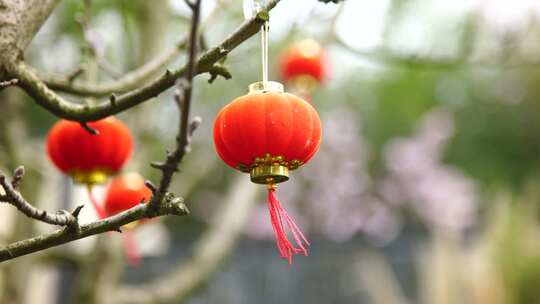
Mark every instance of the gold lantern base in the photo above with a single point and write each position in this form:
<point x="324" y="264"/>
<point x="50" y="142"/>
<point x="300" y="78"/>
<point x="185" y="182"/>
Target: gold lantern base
<point x="269" y="174"/>
<point x="96" y="176"/>
<point x="270" y="169"/>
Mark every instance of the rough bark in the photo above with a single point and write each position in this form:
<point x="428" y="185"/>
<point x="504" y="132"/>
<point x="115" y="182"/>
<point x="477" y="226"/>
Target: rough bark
<point x="19" y="22"/>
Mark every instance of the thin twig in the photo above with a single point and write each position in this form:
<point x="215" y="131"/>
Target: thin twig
<point x="182" y="96"/>
<point x="61" y="218"/>
<point x="163" y="202"/>
<point x="191" y="5"/>
<point x="73" y="75"/>
<point x="172" y="206"/>
<point x="132" y="79"/>
<point x="91" y="44"/>
<point x="89" y="129"/>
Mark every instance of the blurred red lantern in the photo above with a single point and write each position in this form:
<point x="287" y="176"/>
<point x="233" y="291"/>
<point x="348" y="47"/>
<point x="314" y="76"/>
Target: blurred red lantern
<point x="125" y="191"/>
<point x="88" y="158"/>
<point x="305" y="65"/>
<point x="267" y="133"/>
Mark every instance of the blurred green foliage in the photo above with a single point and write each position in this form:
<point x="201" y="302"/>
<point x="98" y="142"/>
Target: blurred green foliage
<point x="497" y="138"/>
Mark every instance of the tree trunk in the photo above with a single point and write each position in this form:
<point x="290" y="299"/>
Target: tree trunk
<point x="19" y="22"/>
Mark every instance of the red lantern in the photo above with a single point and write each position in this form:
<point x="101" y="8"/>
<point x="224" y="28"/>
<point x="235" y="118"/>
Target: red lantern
<point x="267" y="133"/>
<point x="123" y="193"/>
<point x="304" y="65"/>
<point x="88" y="158"/>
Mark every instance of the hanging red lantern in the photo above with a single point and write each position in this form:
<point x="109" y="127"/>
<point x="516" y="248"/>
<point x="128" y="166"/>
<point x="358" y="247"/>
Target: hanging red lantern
<point x="123" y="193"/>
<point x="267" y="133"/>
<point x="89" y="158"/>
<point x="304" y="65"/>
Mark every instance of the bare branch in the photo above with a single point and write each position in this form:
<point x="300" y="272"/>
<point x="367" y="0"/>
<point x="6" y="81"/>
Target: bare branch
<point x="130" y="80"/>
<point x="19" y="22"/>
<point x="219" y="70"/>
<point x="62" y="218"/>
<point x="93" y="40"/>
<point x="162" y="202"/>
<point x="191" y="4"/>
<point x="55" y="104"/>
<point x="172" y="205"/>
<point x="150" y="185"/>
<point x="73" y="75"/>
<point x="126" y="82"/>
<point x="89" y="129"/>
<point x="182" y="96"/>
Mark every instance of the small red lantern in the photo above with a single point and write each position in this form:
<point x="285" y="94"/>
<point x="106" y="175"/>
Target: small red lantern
<point x="88" y="158"/>
<point x="304" y="65"/>
<point x="123" y="193"/>
<point x="268" y="133"/>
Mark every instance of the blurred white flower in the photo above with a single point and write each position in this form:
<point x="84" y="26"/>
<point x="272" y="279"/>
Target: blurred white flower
<point x="440" y="194"/>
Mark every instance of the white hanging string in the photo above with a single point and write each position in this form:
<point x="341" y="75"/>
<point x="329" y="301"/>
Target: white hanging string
<point x="252" y="7"/>
<point x="264" y="51"/>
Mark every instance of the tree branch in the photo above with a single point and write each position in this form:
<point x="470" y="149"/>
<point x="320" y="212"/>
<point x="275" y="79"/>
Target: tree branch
<point x="33" y="15"/>
<point x="182" y="97"/>
<point x="11" y="196"/>
<point x="48" y="99"/>
<point x="91" y="44"/>
<point x="129" y="81"/>
<point x="162" y="202"/>
<point x="19" y="22"/>
<point x="172" y="205"/>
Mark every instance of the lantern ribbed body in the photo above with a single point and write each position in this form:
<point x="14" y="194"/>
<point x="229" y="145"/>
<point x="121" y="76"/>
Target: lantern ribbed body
<point x="267" y="123"/>
<point x="124" y="192"/>
<point x="77" y="152"/>
<point x="304" y="59"/>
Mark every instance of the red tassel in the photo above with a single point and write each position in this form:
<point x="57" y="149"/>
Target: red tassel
<point x="131" y="249"/>
<point x="100" y="212"/>
<point x="278" y="215"/>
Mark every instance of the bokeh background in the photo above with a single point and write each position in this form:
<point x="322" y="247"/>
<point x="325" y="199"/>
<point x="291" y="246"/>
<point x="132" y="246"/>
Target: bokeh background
<point x="425" y="190"/>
